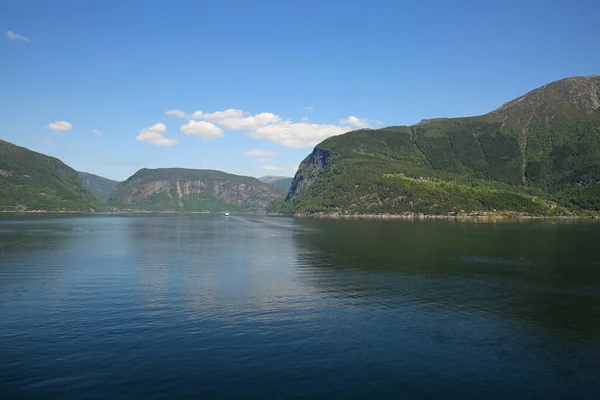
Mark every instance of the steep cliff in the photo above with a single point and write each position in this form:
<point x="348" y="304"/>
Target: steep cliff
<point x="178" y="189"/>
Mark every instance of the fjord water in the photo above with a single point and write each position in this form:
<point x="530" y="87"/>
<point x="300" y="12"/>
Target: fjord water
<point x="117" y="306"/>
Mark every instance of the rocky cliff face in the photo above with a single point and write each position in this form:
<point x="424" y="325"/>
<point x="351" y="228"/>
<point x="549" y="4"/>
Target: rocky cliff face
<point x="193" y="190"/>
<point x="308" y="172"/>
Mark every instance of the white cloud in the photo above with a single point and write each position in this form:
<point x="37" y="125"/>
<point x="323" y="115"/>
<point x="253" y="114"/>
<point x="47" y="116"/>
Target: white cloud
<point x="176" y="113"/>
<point x="58" y="126"/>
<point x="259" y="153"/>
<point x="268" y="126"/>
<point x="308" y="108"/>
<point x="202" y="130"/>
<point x="264" y="159"/>
<point x="289" y="167"/>
<point x="231" y="118"/>
<point x="235" y="119"/>
<point x="300" y="134"/>
<point x="49" y="140"/>
<point x="195" y="115"/>
<point x="10" y="35"/>
<point x="272" y="168"/>
<point x="356" y="122"/>
<point x="154" y="135"/>
<point x="96" y="132"/>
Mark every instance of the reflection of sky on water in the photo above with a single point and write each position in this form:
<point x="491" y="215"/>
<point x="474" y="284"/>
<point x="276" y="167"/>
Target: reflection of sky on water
<point x="216" y="267"/>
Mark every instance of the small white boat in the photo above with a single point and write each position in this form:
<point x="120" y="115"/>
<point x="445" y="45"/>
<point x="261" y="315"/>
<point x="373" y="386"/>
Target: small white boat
<point x="227" y="213"/>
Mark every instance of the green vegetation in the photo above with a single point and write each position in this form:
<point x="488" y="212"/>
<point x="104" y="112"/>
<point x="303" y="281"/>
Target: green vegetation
<point x="99" y="187"/>
<point x="178" y="189"/>
<point x="538" y="154"/>
<point x="282" y="183"/>
<point x="33" y="181"/>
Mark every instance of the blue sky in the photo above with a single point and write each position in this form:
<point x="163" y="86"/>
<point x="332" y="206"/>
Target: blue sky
<point x="252" y="86"/>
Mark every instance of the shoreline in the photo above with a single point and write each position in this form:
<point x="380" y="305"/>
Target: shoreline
<point x="405" y="216"/>
<point x="422" y="217"/>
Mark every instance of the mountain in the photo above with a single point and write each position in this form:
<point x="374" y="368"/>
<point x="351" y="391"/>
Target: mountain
<point x="537" y="154"/>
<point x="271" y="178"/>
<point x="178" y="189"/>
<point x="100" y="187"/>
<point x="34" y="181"/>
<point x="283" y="183"/>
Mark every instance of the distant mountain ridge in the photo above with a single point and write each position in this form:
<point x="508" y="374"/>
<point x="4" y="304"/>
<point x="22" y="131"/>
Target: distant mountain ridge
<point x="283" y="183"/>
<point x="539" y="153"/>
<point x="100" y="187"/>
<point x="31" y="181"/>
<point x="179" y="189"/>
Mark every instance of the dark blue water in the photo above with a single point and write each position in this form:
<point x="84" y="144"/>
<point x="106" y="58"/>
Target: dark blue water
<point x="259" y="307"/>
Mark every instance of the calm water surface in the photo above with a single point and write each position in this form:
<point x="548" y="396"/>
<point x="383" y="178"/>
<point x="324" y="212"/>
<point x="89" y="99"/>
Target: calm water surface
<point x="198" y="306"/>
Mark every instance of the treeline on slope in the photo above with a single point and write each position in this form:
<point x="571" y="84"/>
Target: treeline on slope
<point x="34" y="181"/>
<point x="544" y="145"/>
<point x="99" y="187"/>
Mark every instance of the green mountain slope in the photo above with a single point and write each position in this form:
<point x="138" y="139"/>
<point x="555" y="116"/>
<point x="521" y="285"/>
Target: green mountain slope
<point x="34" y="181"/>
<point x="282" y="183"/>
<point x="537" y="154"/>
<point x="100" y="187"/>
<point x="178" y="189"/>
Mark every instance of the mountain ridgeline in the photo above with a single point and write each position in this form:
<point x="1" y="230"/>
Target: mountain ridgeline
<point x="538" y="154"/>
<point x="31" y="181"/>
<point x="34" y="181"/>
<point x="178" y="189"/>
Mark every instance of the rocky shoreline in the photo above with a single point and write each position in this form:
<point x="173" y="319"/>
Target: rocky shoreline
<point x="421" y="217"/>
<point x="405" y="216"/>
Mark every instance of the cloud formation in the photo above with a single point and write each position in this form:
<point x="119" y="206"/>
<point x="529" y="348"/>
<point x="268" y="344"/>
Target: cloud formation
<point x="10" y="35"/>
<point x="272" y="168"/>
<point x="59" y="126"/>
<point x="288" y="167"/>
<point x="96" y="132"/>
<point x="270" y="126"/>
<point x="176" y="113"/>
<point x="49" y="140"/>
<point x="154" y="135"/>
<point x="356" y="122"/>
<point x="235" y="119"/>
<point x="297" y="134"/>
<point x="259" y="153"/>
<point x="202" y="130"/>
